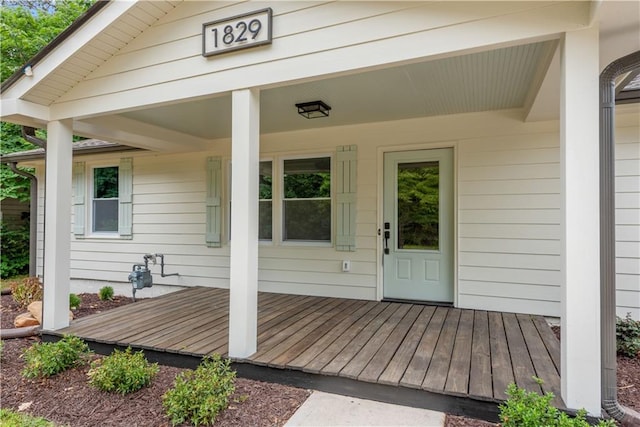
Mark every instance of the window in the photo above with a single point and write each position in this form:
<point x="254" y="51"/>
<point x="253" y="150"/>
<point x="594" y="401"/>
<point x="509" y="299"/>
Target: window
<point x="104" y="218"/>
<point x="265" y="194"/>
<point x="306" y="206"/>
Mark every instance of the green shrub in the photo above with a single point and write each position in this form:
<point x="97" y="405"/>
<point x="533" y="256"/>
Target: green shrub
<point x="74" y="301"/>
<point x="628" y="336"/>
<point x="26" y="290"/>
<point x="122" y="372"/>
<point x="14" y="419"/>
<point x="105" y="293"/>
<point x="14" y="250"/>
<point x="198" y="396"/>
<point x="529" y="409"/>
<point x="47" y="359"/>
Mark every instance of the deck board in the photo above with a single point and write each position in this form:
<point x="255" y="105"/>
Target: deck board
<point x="437" y="373"/>
<point x="388" y="349"/>
<point x="323" y="343"/>
<point x="540" y="359"/>
<point x="458" y="376"/>
<point x="375" y="343"/>
<point x="523" y="371"/>
<point x="398" y="364"/>
<point x="445" y="350"/>
<point x="501" y="368"/>
<point x="359" y="341"/>
<point x="480" y="374"/>
<point x="417" y="369"/>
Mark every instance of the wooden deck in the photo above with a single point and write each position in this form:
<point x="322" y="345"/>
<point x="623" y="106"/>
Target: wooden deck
<point x="450" y="351"/>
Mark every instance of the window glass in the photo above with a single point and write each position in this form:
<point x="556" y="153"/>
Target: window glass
<point x="265" y="201"/>
<point x="307" y="199"/>
<point x="418" y="205"/>
<point x="105" y="199"/>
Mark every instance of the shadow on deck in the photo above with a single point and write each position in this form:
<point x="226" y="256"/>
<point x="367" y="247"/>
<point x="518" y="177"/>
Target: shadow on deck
<point x="453" y="360"/>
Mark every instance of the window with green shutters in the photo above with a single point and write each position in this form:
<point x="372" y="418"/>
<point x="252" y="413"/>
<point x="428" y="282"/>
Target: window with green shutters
<point x="109" y="192"/>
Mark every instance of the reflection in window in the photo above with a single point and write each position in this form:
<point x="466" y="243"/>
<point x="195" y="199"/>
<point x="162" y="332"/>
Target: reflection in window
<point x="105" y="200"/>
<point x="418" y="205"/>
<point x="307" y="199"/>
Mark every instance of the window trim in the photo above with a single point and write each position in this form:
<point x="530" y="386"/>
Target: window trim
<point x="90" y="229"/>
<point x="281" y="200"/>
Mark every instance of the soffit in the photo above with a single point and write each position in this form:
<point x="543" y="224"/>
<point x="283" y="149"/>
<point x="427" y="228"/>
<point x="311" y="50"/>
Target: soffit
<point x="492" y="80"/>
<point x="99" y="50"/>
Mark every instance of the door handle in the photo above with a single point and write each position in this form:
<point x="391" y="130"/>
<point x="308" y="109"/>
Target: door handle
<point x="387" y="235"/>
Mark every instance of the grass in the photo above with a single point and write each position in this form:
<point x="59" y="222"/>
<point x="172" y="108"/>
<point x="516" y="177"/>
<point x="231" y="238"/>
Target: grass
<point x="6" y="283"/>
<point x="14" y="419"/>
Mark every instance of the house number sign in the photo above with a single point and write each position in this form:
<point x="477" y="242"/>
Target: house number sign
<point x="238" y="32"/>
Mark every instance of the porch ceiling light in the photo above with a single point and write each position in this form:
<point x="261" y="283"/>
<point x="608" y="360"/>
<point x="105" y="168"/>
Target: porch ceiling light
<point x="313" y="109"/>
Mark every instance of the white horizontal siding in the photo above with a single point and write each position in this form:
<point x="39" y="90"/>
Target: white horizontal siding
<point x="509" y="223"/>
<point x="628" y="220"/>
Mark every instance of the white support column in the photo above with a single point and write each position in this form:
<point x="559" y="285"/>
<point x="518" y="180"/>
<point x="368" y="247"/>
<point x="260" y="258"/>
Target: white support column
<point x="245" y="156"/>
<point x="579" y="145"/>
<point x="57" y="238"/>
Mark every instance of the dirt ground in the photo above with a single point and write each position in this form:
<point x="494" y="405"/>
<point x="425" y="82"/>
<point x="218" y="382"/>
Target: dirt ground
<point x="69" y="400"/>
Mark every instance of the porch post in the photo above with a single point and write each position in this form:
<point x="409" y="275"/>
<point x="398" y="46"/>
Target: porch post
<point x="57" y="238"/>
<point x="245" y="155"/>
<point x="580" y="224"/>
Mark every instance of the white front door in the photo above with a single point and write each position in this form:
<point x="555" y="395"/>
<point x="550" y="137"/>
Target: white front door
<point x="417" y="230"/>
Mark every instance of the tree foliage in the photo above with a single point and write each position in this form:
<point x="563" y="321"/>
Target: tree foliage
<point x="26" y="26"/>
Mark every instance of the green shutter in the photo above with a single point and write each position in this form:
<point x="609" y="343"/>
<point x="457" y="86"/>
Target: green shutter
<point x="125" y="198"/>
<point x="79" y="194"/>
<point x="346" y="198"/>
<point x="212" y="202"/>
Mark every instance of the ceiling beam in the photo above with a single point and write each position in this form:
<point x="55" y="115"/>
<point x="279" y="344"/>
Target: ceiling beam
<point x="138" y="134"/>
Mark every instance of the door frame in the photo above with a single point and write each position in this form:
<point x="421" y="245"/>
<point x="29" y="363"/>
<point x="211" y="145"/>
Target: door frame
<point x="453" y="145"/>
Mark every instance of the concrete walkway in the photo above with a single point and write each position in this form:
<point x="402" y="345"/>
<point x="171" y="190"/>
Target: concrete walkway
<point x="324" y="409"/>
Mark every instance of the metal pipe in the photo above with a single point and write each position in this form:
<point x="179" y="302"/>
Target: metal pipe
<point x="162" y="274"/>
<point x="33" y="216"/>
<point x="607" y="239"/>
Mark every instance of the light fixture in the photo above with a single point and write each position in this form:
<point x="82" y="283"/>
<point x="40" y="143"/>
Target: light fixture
<point x="28" y="71"/>
<point x="313" y="109"/>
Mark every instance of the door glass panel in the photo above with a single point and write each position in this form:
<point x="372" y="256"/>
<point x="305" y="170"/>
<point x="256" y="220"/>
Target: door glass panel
<point x="418" y="205"/>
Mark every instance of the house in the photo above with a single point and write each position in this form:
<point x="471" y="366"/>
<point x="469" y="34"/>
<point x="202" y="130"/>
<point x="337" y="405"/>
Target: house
<point x="442" y="152"/>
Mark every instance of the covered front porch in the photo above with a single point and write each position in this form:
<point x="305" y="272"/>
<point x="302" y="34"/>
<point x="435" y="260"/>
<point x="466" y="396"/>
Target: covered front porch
<point x="435" y="357"/>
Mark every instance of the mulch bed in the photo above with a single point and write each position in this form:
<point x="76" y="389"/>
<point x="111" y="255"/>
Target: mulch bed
<point x="68" y="399"/>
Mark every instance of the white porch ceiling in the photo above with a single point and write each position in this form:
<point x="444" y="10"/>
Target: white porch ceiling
<point x="493" y="80"/>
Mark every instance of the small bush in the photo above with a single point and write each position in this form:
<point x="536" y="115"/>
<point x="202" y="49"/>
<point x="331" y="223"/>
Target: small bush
<point x="14" y="250"/>
<point x="122" y="372"/>
<point x="74" y="301"/>
<point x="47" y="359"/>
<point x="198" y="396"/>
<point x="14" y="419"/>
<point x="105" y="293"/>
<point x="628" y="336"/>
<point x="529" y="409"/>
<point x="26" y="290"/>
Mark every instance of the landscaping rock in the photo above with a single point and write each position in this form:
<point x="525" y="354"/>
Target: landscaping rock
<point x="25" y="319"/>
<point x="35" y="308"/>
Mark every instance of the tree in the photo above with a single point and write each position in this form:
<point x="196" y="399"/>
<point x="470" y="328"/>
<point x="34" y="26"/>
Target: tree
<point x="26" y="27"/>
